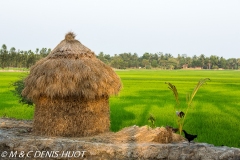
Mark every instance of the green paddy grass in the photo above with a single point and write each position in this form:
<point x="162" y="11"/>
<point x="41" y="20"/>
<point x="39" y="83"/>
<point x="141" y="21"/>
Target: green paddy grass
<point x="9" y="105"/>
<point x="214" y="115"/>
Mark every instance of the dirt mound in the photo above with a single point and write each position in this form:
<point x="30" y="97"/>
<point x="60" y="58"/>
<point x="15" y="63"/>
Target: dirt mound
<point x="132" y="134"/>
<point x="135" y="134"/>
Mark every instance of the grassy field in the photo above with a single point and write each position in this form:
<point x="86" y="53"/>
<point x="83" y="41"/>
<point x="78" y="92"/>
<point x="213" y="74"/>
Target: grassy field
<point x="9" y="105"/>
<point x="214" y="115"/>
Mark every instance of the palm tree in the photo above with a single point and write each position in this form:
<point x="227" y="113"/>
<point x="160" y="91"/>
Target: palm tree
<point x="202" y="59"/>
<point x="238" y="62"/>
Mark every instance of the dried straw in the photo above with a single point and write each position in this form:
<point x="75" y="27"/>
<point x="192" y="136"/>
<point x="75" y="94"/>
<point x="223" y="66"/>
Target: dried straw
<point x="71" y="69"/>
<point x="70" y="88"/>
<point x="71" y="117"/>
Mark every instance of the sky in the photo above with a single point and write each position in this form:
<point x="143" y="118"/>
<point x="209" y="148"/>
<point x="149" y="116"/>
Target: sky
<point x="191" y="27"/>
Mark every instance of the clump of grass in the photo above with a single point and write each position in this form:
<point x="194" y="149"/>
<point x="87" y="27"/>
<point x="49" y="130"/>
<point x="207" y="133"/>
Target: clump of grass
<point x="151" y="120"/>
<point x="181" y="119"/>
<point x="18" y="88"/>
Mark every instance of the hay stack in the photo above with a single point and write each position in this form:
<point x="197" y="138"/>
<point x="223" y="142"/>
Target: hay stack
<point x="136" y="134"/>
<point x="71" y="89"/>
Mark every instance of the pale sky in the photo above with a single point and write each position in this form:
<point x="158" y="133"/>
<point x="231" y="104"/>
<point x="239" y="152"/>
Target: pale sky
<point x="192" y="27"/>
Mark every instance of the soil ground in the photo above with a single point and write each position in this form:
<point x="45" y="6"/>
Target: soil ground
<point x="132" y="134"/>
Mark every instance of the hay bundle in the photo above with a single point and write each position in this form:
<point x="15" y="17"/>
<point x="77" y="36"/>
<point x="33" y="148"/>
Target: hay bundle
<point x="71" y="88"/>
<point x="145" y="134"/>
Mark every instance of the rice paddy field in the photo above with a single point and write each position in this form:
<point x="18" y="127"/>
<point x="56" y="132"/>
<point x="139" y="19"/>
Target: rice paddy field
<point x="214" y="114"/>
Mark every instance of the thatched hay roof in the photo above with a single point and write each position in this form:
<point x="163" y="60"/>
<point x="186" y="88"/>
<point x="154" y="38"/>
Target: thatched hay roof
<point x="71" y="69"/>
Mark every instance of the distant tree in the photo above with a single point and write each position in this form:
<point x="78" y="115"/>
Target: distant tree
<point x="167" y="56"/>
<point x="208" y="62"/>
<point x="126" y="57"/>
<point x="178" y="59"/>
<point x="13" y="57"/>
<point x="189" y="61"/>
<point x="222" y="63"/>
<point x="117" y="62"/>
<point x="215" y="61"/>
<point x="44" y="52"/>
<point x="4" y="56"/>
<point x="145" y="62"/>
<point x="20" y="57"/>
<point x="37" y="50"/>
<point x="146" y="55"/>
<point x="154" y="63"/>
<point x="235" y="63"/>
<point x="172" y="63"/>
<point x="196" y="61"/>
<point x="232" y="62"/>
<point x="135" y="60"/>
<point x="102" y="58"/>
<point x="108" y="58"/>
<point x="238" y="63"/>
<point x="31" y="59"/>
<point x="182" y="60"/>
<point x="202" y="60"/>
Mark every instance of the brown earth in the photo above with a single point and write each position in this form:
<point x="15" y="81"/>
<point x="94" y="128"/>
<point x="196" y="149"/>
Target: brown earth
<point x="132" y="134"/>
<point x="130" y="143"/>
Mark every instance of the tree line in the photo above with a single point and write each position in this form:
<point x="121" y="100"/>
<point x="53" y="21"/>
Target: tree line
<point x="19" y="58"/>
<point x="167" y="61"/>
<point x="25" y="59"/>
